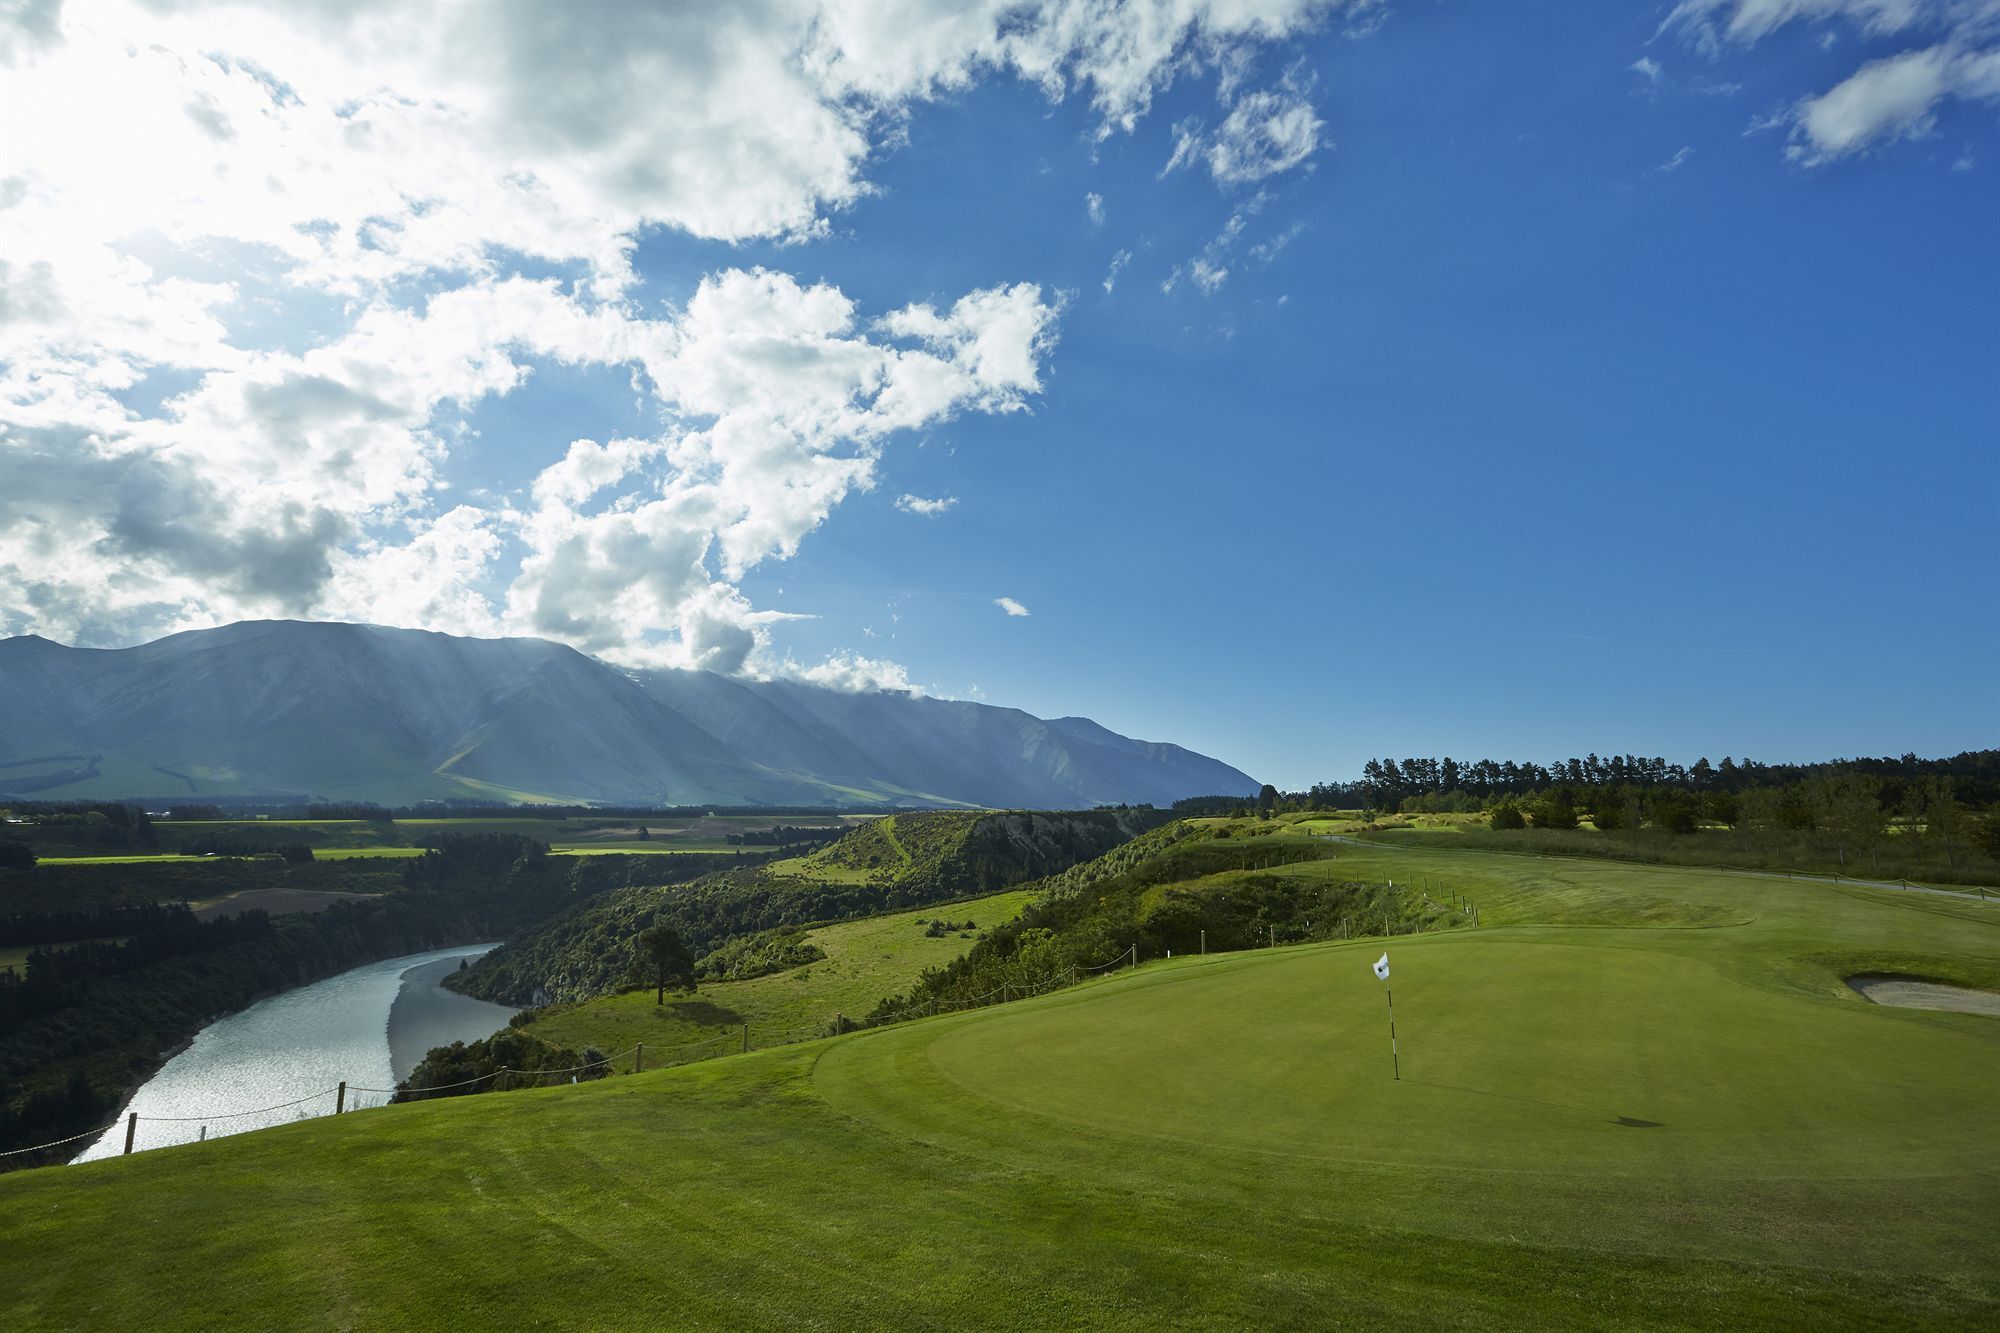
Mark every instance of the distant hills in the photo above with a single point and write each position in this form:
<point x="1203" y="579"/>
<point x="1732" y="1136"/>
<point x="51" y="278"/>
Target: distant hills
<point x="342" y="712"/>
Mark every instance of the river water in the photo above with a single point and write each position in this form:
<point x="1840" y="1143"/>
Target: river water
<point x="368" y="1026"/>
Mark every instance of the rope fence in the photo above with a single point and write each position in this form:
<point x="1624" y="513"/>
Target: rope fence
<point x="1007" y="992"/>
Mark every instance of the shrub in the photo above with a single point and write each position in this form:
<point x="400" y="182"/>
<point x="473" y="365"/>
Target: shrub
<point x="1506" y="817"/>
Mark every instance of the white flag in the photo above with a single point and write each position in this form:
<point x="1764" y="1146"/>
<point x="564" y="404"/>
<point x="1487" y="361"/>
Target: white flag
<point x="1382" y="967"/>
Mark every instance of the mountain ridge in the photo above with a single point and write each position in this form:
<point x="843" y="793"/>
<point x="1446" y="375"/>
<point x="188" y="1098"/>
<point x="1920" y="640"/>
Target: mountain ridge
<point x="355" y="712"/>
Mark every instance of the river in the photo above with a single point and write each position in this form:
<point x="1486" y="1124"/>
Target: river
<point x="368" y="1026"/>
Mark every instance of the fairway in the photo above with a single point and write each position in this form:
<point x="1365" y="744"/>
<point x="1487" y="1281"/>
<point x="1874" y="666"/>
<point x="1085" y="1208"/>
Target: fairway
<point x="1686" y="1120"/>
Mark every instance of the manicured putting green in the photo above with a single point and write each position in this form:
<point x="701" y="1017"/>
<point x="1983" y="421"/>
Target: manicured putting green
<point x="1515" y="1055"/>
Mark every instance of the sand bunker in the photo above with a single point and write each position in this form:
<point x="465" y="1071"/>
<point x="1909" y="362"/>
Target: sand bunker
<point x="1909" y="993"/>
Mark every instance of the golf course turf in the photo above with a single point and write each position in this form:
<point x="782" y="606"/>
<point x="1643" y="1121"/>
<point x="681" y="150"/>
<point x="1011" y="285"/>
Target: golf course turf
<point x="1635" y="1097"/>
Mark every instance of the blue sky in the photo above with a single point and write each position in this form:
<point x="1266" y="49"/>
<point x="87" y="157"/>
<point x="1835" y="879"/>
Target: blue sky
<point x="1587" y="385"/>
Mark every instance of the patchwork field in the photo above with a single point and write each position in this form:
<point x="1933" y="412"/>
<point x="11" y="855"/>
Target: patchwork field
<point x="1636" y="1097"/>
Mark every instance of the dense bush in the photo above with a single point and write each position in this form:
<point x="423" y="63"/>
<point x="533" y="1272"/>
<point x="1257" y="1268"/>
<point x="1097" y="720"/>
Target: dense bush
<point x="759" y="955"/>
<point x="951" y="855"/>
<point x="1171" y="890"/>
<point x="507" y="1059"/>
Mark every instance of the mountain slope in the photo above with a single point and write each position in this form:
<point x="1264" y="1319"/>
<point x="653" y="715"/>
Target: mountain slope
<point x="362" y="712"/>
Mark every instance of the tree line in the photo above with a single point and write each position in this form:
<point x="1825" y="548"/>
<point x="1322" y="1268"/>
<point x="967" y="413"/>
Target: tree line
<point x="1386" y="784"/>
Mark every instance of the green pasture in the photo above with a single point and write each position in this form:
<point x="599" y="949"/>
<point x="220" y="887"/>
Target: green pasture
<point x="865" y="961"/>
<point x="652" y="847"/>
<point x="363" y="853"/>
<point x="1635" y="1097"/>
<point x="141" y="858"/>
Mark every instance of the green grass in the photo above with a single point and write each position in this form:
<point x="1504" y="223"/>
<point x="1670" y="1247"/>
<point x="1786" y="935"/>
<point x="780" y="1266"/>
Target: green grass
<point x="654" y="847"/>
<point x="141" y="858"/>
<point x="865" y="960"/>
<point x="1636" y="1097"/>
<point x="363" y="853"/>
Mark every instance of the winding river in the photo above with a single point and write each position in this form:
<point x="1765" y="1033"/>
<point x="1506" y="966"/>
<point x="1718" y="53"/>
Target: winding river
<point x="282" y="1058"/>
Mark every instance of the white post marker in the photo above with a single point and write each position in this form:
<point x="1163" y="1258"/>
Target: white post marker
<point x="1382" y="972"/>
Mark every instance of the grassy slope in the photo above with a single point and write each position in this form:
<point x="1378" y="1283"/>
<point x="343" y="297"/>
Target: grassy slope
<point x="865" y="960"/>
<point x="1207" y="1142"/>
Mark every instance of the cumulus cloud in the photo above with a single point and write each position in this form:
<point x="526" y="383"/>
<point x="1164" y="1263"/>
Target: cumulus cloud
<point x="1093" y="208"/>
<point x="1885" y="100"/>
<point x="917" y="504"/>
<point x="1010" y="606"/>
<point x="853" y="673"/>
<point x="437" y="201"/>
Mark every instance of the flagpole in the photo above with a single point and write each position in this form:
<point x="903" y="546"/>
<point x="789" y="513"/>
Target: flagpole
<point x="1395" y="1060"/>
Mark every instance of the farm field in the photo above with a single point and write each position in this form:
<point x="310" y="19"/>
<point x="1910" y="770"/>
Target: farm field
<point x="1636" y="1097"/>
<point x="865" y="960"/>
<point x="338" y="838"/>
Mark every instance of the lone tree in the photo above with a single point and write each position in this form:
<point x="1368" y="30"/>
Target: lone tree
<point x="669" y="961"/>
<point x="1267" y="801"/>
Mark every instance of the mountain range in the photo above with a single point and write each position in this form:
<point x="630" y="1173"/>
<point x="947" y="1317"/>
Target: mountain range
<point x="341" y="712"/>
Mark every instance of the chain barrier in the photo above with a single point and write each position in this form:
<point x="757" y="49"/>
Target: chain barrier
<point x="44" y="1147"/>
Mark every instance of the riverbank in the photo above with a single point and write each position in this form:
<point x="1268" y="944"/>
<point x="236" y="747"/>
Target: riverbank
<point x="285" y="1057"/>
<point x="425" y="1015"/>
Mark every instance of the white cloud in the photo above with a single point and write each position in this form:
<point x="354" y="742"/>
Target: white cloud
<point x="1648" y="69"/>
<point x="1187" y="145"/>
<point x="1093" y="207"/>
<point x="382" y="176"/>
<point x="1890" y="99"/>
<point x="917" y="504"/>
<point x="852" y="673"/>
<point x="1210" y="269"/>
<point x="1266" y="133"/>
<point x="1010" y="606"/>
<point x="1712" y="24"/>
<point x="1265" y="252"/>
<point x="1964" y="162"/>
<point x="1675" y="162"/>
<point x="1118" y="263"/>
<point x="1883" y="101"/>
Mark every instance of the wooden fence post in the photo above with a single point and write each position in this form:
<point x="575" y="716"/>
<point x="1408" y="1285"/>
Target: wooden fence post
<point x="1204" y="944"/>
<point x="746" y="1039"/>
<point x="340" y="1098"/>
<point x="639" y="1058"/>
<point x="131" y="1129"/>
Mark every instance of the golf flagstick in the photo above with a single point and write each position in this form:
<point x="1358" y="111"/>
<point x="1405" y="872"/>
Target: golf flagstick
<point x="1395" y="1060"/>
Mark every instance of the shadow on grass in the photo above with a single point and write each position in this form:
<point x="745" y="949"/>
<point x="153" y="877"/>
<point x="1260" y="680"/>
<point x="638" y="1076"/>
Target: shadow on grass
<point x="702" y="1012"/>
